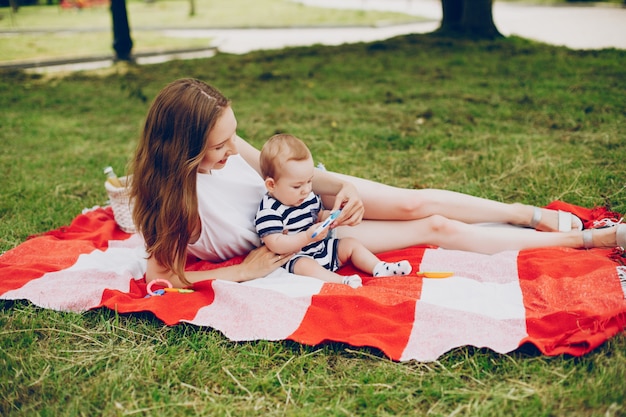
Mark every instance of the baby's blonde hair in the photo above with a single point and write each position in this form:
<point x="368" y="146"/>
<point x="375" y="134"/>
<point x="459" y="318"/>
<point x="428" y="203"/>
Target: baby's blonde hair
<point x="279" y="149"/>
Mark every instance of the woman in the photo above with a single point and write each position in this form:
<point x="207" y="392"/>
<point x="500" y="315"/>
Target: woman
<point x="196" y="188"/>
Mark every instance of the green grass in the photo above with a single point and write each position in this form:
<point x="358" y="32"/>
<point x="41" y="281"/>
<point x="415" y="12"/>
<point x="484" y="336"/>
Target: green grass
<point x="149" y="20"/>
<point x="54" y="46"/>
<point x="508" y="119"/>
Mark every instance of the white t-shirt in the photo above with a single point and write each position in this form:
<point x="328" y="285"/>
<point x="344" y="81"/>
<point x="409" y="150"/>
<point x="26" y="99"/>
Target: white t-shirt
<point x="228" y="200"/>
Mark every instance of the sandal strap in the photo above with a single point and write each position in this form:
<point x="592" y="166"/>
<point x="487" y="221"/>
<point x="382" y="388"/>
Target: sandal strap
<point x="620" y="235"/>
<point x="588" y="238"/>
<point x="534" y="222"/>
<point x="565" y="221"/>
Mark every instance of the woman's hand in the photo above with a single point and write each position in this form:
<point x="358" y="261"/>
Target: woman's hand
<point x="261" y="261"/>
<point x="351" y="205"/>
<point x="345" y="194"/>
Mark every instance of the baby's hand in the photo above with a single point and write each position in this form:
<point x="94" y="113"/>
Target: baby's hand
<point x="320" y="234"/>
<point x="328" y="222"/>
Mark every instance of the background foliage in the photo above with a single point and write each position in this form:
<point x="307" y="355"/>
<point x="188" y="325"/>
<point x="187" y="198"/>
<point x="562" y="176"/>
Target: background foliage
<point x="41" y="32"/>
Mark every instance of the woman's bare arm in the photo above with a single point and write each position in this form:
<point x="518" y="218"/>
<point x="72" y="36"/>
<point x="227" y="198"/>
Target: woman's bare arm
<point x="258" y="263"/>
<point x="249" y="153"/>
<point x="346" y="197"/>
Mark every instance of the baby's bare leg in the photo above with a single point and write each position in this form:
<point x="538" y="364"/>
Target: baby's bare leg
<point x="310" y="268"/>
<point x="350" y="249"/>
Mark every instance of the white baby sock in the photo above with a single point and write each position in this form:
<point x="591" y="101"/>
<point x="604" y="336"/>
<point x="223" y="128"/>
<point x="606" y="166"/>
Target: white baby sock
<point x="354" y="281"/>
<point x="388" y="269"/>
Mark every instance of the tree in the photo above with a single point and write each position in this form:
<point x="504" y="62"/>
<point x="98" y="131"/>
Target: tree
<point x="122" y="43"/>
<point x="468" y="18"/>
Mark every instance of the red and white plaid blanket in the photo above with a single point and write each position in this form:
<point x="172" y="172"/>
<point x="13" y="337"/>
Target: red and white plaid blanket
<point x="560" y="300"/>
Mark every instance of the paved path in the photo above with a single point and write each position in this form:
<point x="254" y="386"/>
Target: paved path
<point x="238" y="41"/>
<point x="574" y="26"/>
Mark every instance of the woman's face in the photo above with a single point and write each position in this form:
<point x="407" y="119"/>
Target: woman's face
<point x="222" y="142"/>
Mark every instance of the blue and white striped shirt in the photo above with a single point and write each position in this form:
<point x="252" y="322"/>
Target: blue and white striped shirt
<point x="275" y="217"/>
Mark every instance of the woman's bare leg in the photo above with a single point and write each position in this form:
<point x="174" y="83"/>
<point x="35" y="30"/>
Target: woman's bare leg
<point x="383" y="202"/>
<point x="380" y="235"/>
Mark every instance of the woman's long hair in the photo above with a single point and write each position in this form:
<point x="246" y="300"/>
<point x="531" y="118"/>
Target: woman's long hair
<point x="170" y="149"/>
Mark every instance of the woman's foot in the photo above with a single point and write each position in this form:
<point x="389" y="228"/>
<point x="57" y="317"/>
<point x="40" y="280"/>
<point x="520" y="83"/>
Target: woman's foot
<point x="609" y="237"/>
<point x="546" y="220"/>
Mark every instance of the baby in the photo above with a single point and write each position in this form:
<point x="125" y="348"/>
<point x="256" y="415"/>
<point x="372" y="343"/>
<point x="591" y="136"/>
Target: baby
<point x="290" y="213"/>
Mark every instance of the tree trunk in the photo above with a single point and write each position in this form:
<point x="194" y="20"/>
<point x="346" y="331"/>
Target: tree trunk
<point x="15" y="5"/>
<point x="468" y="18"/>
<point x="122" y="43"/>
<point x="452" y="15"/>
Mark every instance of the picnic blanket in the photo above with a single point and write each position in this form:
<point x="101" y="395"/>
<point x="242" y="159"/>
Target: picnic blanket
<point x="563" y="301"/>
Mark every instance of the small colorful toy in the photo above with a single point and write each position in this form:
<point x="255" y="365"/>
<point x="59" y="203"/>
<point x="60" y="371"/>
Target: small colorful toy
<point x="434" y="274"/>
<point x="168" y="288"/>
<point x="178" y="290"/>
<point x="326" y="222"/>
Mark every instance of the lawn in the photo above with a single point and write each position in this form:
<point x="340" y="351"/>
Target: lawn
<point x="41" y="32"/>
<point x="508" y="119"/>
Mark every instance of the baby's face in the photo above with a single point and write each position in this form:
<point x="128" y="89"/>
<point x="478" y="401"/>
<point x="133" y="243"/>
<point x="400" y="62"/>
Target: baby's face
<point x="295" y="182"/>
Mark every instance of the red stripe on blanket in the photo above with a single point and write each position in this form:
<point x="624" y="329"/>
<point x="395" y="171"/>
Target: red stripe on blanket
<point x="574" y="301"/>
<point x="338" y="314"/>
<point x="45" y="253"/>
<point x="379" y="314"/>
<point x="171" y="309"/>
<point x="187" y="305"/>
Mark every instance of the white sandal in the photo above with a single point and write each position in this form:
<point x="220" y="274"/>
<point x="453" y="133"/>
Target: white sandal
<point x="588" y="239"/>
<point x="566" y="219"/>
<point x="620" y="237"/>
